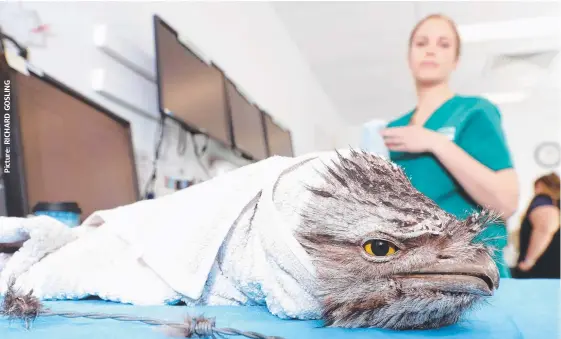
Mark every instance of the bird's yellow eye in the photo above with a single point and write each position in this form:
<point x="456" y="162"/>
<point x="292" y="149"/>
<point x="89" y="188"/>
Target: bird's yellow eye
<point x="379" y="248"/>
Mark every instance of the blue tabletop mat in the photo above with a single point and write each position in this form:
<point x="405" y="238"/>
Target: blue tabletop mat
<point x="519" y="309"/>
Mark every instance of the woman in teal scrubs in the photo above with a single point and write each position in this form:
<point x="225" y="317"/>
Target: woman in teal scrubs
<point x="452" y="147"/>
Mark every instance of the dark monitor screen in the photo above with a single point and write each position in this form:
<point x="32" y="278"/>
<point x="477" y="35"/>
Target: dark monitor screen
<point x="247" y="124"/>
<point x="189" y="88"/>
<point x="71" y="149"/>
<point x="278" y="139"/>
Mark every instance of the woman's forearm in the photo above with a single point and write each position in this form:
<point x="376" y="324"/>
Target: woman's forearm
<point x="539" y="241"/>
<point x="490" y="189"/>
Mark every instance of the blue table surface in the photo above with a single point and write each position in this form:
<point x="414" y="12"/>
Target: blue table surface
<point x="519" y="309"/>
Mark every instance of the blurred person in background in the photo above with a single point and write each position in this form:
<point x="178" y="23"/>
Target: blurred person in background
<point x="452" y="147"/>
<point x="539" y="232"/>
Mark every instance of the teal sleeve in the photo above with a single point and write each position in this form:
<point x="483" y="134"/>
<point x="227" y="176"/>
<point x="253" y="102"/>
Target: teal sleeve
<point x="483" y="138"/>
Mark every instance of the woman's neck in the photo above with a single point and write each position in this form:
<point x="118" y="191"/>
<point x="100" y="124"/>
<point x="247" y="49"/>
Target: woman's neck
<point x="429" y="98"/>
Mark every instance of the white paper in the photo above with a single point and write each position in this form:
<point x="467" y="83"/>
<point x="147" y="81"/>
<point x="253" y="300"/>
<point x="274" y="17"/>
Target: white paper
<point x="371" y="140"/>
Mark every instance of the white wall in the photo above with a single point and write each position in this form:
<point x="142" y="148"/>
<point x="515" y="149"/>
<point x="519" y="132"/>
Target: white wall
<point x="245" y="39"/>
<point x="349" y="136"/>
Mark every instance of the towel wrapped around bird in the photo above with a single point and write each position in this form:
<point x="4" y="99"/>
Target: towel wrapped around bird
<point x="339" y="236"/>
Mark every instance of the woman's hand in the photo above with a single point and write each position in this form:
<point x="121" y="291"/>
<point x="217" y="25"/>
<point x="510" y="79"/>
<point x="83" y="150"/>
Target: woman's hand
<point x="526" y="265"/>
<point x="412" y="139"/>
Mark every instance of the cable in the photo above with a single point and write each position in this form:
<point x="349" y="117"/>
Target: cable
<point x="149" y="189"/>
<point x="205" y="146"/>
<point x="198" y="154"/>
<point x="181" y="142"/>
<point x="22" y="50"/>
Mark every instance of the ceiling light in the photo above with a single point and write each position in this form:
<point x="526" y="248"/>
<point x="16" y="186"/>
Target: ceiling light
<point x="511" y="29"/>
<point x="506" y="97"/>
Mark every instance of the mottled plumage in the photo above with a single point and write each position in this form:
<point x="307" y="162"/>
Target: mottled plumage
<point x="436" y="273"/>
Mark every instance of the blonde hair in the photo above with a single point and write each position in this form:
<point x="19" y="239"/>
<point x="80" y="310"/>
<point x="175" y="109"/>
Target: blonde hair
<point x="551" y="185"/>
<point x="441" y="17"/>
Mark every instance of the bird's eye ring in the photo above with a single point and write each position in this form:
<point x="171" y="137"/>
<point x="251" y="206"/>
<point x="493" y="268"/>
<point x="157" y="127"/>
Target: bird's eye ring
<point x="379" y="248"/>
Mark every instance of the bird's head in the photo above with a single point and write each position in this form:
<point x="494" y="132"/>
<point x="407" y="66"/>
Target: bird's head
<point x="386" y="255"/>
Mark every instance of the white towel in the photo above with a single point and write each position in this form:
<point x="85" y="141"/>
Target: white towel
<point x="40" y="236"/>
<point x="227" y="241"/>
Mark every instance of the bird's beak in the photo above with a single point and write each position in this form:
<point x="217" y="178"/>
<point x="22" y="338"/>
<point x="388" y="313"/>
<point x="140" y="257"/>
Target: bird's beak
<point x="479" y="276"/>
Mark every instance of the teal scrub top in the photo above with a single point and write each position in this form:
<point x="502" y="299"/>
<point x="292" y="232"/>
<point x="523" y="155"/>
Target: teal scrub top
<point x="474" y="124"/>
